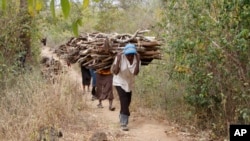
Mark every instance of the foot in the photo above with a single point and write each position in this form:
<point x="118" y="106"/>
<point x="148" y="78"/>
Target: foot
<point x="124" y="128"/>
<point x="99" y="106"/>
<point x="111" y="108"/>
<point x="93" y="98"/>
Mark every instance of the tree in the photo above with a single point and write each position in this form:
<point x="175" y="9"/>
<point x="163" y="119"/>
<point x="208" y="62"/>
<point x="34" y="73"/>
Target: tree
<point x="18" y="29"/>
<point x="209" y="45"/>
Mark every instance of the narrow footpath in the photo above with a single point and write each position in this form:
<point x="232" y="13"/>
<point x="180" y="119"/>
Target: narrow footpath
<point x="93" y="119"/>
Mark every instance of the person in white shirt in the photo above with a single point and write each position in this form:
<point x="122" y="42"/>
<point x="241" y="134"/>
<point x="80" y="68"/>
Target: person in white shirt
<point x="125" y="67"/>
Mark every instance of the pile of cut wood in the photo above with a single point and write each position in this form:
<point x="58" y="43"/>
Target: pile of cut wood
<point x="50" y="68"/>
<point x="98" y="50"/>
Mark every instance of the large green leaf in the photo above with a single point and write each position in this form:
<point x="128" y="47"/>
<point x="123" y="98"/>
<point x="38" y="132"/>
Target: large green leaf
<point x="65" y="8"/>
<point x="34" y="6"/>
<point x="3" y="4"/>
<point x="39" y="5"/>
<point x="75" y="28"/>
<point x="79" y="22"/>
<point x="85" y="4"/>
<point x="75" y="25"/>
<point x="30" y="3"/>
<point x="52" y="8"/>
<point x="31" y="7"/>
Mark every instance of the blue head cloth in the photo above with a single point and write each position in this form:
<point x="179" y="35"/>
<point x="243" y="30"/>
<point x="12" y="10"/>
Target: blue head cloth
<point x="129" y="49"/>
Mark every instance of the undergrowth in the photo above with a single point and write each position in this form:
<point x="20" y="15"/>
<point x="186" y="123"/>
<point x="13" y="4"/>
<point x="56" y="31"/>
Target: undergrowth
<point x="30" y="102"/>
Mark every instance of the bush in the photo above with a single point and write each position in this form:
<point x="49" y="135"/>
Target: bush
<point x="211" y="40"/>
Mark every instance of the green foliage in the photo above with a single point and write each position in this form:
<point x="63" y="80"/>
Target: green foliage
<point x="75" y="28"/>
<point x="59" y="30"/>
<point x="13" y="50"/>
<point x="211" y="39"/>
<point x="75" y="25"/>
<point x="85" y="4"/>
<point x="107" y="20"/>
<point x="52" y="8"/>
<point x="65" y="8"/>
<point x="34" y="6"/>
<point x="3" y="4"/>
<point x="127" y="17"/>
<point x="156" y="90"/>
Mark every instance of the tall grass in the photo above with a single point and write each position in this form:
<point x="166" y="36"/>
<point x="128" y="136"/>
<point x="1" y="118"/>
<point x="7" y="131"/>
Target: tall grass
<point x="158" y="96"/>
<point x="31" y="102"/>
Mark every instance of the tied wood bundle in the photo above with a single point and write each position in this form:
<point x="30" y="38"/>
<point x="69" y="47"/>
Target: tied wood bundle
<point x="98" y="50"/>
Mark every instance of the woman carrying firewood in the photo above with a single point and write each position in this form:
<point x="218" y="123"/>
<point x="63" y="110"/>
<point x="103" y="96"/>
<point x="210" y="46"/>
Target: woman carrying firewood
<point x="104" y="88"/>
<point x="125" y="67"/>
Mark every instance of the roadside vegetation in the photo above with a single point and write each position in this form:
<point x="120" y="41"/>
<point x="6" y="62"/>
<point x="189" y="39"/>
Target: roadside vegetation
<point x="202" y="81"/>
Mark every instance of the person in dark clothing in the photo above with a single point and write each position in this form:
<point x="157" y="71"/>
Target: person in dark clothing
<point x="125" y="67"/>
<point x="86" y="78"/>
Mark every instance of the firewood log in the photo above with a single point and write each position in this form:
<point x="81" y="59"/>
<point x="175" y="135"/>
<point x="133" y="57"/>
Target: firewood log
<point x="98" y="50"/>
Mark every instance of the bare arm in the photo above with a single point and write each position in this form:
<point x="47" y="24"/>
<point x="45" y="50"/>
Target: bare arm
<point x="136" y="71"/>
<point x="116" y="67"/>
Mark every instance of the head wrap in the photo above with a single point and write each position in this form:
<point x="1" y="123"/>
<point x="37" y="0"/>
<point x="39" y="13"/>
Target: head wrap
<point x="129" y="49"/>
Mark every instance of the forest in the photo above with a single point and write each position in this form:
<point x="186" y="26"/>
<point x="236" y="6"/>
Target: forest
<point x="201" y="81"/>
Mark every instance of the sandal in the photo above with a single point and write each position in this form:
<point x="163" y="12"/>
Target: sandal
<point x="124" y="128"/>
<point x="99" y="106"/>
<point x="93" y="98"/>
<point x="111" y="108"/>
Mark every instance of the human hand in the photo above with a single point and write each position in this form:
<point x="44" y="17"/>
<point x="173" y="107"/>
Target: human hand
<point x="68" y="64"/>
<point x="119" y="56"/>
<point x="138" y="57"/>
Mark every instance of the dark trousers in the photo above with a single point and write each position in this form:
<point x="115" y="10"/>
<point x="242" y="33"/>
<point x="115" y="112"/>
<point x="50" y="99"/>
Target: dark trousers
<point x="125" y="100"/>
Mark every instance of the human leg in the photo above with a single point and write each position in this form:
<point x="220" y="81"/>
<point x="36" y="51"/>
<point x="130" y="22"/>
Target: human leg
<point x="100" y="104"/>
<point x="98" y="88"/>
<point x="93" y="92"/>
<point x="88" y="88"/>
<point x="111" y="108"/>
<point x="83" y="88"/>
<point x="124" y="122"/>
<point x="108" y="89"/>
<point x="86" y="78"/>
<point x="125" y="100"/>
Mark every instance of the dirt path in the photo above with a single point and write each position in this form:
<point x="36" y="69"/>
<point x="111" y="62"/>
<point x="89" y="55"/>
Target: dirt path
<point x="141" y="128"/>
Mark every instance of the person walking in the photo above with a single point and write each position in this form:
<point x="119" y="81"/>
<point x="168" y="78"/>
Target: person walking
<point x="86" y="78"/>
<point x="104" y="87"/>
<point x="125" y="67"/>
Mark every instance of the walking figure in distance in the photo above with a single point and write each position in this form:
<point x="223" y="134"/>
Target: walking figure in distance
<point x="86" y="78"/>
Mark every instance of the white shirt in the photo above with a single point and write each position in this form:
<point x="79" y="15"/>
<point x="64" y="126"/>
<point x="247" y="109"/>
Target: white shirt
<point x="125" y="78"/>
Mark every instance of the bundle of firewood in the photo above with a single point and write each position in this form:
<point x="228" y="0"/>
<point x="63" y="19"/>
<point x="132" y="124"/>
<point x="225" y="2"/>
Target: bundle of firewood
<point x="98" y="50"/>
